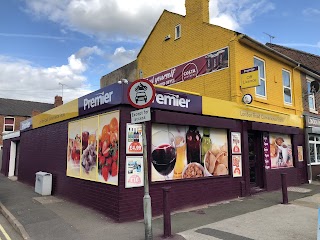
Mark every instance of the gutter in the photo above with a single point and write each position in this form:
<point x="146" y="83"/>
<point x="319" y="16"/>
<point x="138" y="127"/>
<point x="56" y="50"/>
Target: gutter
<point x="281" y="57"/>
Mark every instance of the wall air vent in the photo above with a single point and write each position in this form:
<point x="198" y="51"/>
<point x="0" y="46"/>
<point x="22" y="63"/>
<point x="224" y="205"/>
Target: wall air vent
<point x="166" y="38"/>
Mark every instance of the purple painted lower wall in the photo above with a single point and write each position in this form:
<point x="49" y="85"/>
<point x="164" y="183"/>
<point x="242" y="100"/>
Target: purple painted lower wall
<point x="45" y="149"/>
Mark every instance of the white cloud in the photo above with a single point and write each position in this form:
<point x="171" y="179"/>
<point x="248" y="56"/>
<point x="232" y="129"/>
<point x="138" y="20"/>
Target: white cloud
<point x="127" y="20"/>
<point x="20" y="79"/>
<point x="235" y="15"/>
<point x="120" y="57"/>
<point x="310" y="12"/>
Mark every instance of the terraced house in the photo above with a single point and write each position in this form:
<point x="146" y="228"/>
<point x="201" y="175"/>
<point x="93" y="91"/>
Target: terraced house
<point x="311" y="103"/>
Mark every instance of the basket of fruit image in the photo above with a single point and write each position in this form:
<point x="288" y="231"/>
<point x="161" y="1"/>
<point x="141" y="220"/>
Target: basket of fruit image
<point x="108" y="153"/>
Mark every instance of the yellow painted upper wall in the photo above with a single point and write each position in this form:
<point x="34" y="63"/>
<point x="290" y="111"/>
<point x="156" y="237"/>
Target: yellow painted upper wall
<point x="200" y="38"/>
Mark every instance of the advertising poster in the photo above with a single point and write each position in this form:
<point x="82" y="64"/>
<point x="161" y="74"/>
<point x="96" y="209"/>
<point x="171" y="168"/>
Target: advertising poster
<point x="280" y="150"/>
<point x="236" y="142"/>
<point x="209" y="63"/>
<point x="266" y="151"/>
<point x="300" y="153"/>
<point x="93" y="148"/>
<point x="134" y="139"/>
<point x="74" y="148"/>
<point x="180" y="152"/>
<point x="236" y="166"/>
<point x="134" y="172"/>
<point x="89" y="148"/>
<point x="108" y="154"/>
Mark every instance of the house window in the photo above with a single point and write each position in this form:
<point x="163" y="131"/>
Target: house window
<point x="8" y="124"/>
<point x="178" y="31"/>
<point x="261" y="90"/>
<point x="311" y="100"/>
<point x="286" y="80"/>
<point x="314" y="147"/>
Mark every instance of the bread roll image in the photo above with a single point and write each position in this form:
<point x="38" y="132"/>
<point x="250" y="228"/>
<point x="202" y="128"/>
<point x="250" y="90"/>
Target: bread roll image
<point x="210" y="162"/>
<point x="224" y="148"/>
<point x="222" y="158"/>
<point x="220" y="170"/>
<point x="215" y="149"/>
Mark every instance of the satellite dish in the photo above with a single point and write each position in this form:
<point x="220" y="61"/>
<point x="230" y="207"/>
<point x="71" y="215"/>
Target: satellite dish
<point x="314" y="87"/>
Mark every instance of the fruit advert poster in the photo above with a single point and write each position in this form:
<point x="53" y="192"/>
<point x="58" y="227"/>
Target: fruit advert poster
<point x="93" y="148"/>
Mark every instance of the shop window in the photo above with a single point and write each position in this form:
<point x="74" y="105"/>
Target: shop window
<point x="178" y="31"/>
<point x="261" y="90"/>
<point x="314" y="149"/>
<point x="8" y="124"/>
<point x="311" y="138"/>
<point x="311" y="99"/>
<point x="286" y="80"/>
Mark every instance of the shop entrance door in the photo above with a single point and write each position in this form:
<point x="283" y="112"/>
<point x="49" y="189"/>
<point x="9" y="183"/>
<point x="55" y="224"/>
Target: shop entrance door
<point x="255" y="160"/>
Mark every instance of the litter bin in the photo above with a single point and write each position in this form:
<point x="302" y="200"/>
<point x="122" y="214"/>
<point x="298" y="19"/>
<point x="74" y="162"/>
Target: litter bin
<point x="43" y="183"/>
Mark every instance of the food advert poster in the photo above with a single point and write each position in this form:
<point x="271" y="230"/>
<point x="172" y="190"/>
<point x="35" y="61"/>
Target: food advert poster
<point x="266" y="151"/>
<point x="134" y="172"/>
<point x="236" y="142"/>
<point x="236" y="166"/>
<point x="93" y="148"/>
<point x="134" y="139"/>
<point x="300" y="153"/>
<point x="280" y="150"/>
<point x="108" y="154"/>
<point x="74" y="148"/>
<point x="89" y="148"/>
<point x="180" y="152"/>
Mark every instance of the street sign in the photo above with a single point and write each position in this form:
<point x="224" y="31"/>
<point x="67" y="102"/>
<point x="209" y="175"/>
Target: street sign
<point x="141" y="93"/>
<point x="250" y="77"/>
<point x="141" y="115"/>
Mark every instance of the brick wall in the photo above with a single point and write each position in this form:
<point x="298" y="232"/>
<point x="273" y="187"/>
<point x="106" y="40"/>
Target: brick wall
<point x="16" y="125"/>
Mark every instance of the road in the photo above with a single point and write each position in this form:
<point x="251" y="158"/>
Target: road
<point x="7" y="232"/>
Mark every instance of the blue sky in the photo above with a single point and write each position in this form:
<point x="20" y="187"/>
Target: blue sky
<point x="46" y="43"/>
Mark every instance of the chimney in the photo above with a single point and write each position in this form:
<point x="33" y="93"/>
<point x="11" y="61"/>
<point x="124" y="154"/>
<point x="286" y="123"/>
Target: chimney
<point x="197" y="10"/>
<point x="58" y="101"/>
<point x="35" y="112"/>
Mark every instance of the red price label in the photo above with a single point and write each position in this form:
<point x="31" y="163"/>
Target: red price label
<point x="135" y="147"/>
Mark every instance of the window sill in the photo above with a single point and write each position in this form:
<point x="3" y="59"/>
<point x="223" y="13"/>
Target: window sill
<point x="261" y="99"/>
<point x="313" y="111"/>
<point x="289" y="106"/>
<point x="315" y="164"/>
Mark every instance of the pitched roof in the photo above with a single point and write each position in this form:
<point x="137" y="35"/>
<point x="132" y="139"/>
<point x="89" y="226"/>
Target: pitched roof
<point x="12" y="107"/>
<point x="309" y="60"/>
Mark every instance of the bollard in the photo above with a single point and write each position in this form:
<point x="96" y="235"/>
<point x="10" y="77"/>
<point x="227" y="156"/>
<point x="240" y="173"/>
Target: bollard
<point x="166" y="212"/>
<point x="284" y="188"/>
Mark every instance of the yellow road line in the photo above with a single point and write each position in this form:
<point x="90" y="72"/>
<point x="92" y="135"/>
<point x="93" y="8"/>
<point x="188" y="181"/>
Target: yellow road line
<point x="4" y="233"/>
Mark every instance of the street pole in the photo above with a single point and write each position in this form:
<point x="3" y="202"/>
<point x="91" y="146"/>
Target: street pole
<point x="146" y="198"/>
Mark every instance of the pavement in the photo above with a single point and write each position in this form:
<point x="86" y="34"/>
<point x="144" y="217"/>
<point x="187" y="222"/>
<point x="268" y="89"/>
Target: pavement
<point x="260" y="216"/>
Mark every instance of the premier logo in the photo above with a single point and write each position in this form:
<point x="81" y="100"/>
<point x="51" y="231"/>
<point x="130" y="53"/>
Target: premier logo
<point x="100" y="99"/>
<point x="172" y="100"/>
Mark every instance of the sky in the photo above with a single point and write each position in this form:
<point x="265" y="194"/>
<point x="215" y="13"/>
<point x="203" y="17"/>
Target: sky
<point x="64" y="47"/>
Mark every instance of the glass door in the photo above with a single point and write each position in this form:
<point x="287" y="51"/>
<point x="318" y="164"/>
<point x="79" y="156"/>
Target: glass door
<point x="255" y="159"/>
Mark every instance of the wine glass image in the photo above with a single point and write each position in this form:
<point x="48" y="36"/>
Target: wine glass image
<point x="163" y="153"/>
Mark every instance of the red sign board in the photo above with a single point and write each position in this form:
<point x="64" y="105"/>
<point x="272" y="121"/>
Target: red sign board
<point x="141" y="93"/>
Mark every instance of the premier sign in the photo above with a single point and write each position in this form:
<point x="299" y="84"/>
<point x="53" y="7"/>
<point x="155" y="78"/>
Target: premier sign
<point x="100" y="99"/>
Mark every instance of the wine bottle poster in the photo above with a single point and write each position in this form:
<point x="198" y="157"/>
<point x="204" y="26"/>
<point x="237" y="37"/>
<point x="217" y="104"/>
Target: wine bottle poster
<point x="188" y="152"/>
<point x="134" y="171"/>
<point x="88" y="169"/>
<point x="108" y="148"/>
<point x="134" y="143"/>
<point x="74" y="148"/>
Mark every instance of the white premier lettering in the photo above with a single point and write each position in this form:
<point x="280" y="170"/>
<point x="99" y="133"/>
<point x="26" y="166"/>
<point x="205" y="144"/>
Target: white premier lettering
<point x="172" y="100"/>
<point x="101" y="99"/>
